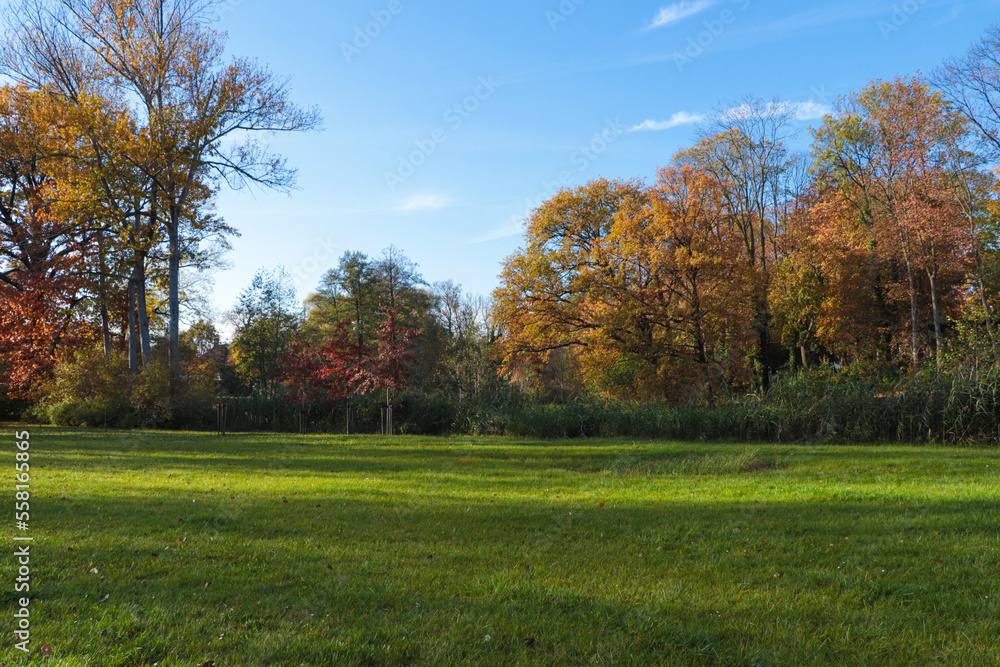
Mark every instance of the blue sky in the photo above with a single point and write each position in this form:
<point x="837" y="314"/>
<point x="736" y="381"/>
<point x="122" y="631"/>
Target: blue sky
<point x="446" y="120"/>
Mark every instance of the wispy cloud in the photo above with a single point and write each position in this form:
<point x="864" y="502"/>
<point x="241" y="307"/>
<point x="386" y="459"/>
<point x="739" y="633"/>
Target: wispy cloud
<point x="678" y="119"/>
<point x="512" y="227"/>
<point x="821" y="16"/>
<point x="955" y="12"/>
<point x="802" y="111"/>
<point x="676" y="12"/>
<point x="811" y="110"/>
<point x="423" y="202"/>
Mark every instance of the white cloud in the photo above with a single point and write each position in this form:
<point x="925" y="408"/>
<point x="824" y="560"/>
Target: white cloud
<point x="423" y="202"/>
<point x="679" y="11"/>
<point x="678" y="119"/>
<point x="811" y="110"/>
<point x="801" y="111"/>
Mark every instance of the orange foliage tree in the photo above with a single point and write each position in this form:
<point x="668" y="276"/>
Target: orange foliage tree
<point x="45" y="240"/>
<point x="889" y="151"/>
<point x="646" y="287"/>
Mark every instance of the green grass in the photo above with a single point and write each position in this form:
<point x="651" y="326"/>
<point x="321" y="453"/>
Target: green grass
<point x="333" y="550"/>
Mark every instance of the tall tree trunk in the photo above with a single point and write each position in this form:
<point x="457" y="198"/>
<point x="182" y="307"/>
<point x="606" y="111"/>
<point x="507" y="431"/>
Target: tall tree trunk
<point x="936" y="307"/>
<point x="143" y="313"/>
<point x="138" y="317"/>
<point x="140" y="307"/>
<point x="914" y="323"/>
<point x="762" y="316"/>
<point x="699" y="332"/>
<point x="106" y="330"/>
<point x="984" y="299"/>
<point x="173" y="297"/>
<point x="133" y="338"/>
<point x="102" y="295"/>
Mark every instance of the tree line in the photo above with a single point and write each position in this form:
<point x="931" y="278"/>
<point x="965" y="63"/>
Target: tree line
<point x="875" y="252"/>
<point x="878" y="249"/>
<point x="373" y="325"/>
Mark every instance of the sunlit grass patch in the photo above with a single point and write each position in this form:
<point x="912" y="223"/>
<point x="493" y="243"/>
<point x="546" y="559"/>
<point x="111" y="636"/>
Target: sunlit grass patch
<point x="727" y="463"/>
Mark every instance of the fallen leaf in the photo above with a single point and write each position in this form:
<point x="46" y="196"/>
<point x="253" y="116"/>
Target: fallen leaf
<point x="93" y="570"/>
<point x="208" y="663"/>
<point x="46" y="650"/>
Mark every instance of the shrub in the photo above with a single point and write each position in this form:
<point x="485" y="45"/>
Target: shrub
<point x="93" y="390"/>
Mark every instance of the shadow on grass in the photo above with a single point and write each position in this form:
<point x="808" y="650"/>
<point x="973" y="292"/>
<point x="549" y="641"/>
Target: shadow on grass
<point x="695" y="582"/>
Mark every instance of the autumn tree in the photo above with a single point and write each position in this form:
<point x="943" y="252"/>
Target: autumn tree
<point x="387" y="368"/>
<point x="889" y="149"/>
<point x="541" y="306"/>
<point x="698" y="258"/>
<point x="647" y="288"/>
<point x="828" y="291"/>
<point x="743" y="149"/>
<point x="197" y="113"/>
<point x="312" y="372"/>
<point x="45" y="239"/>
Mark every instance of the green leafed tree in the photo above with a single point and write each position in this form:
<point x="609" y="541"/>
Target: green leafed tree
<point x="265" y="320"/>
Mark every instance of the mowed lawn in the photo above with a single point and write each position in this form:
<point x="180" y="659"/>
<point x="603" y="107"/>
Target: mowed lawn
<point x="333" y="550"/>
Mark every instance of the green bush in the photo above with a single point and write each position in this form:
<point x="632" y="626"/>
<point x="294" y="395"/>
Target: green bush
<point x="93" y="413"/>
<point x="94" y="390"/>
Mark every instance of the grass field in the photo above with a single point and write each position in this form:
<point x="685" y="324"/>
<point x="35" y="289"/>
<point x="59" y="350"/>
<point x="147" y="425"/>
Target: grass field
<point x="289" y="550"/>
